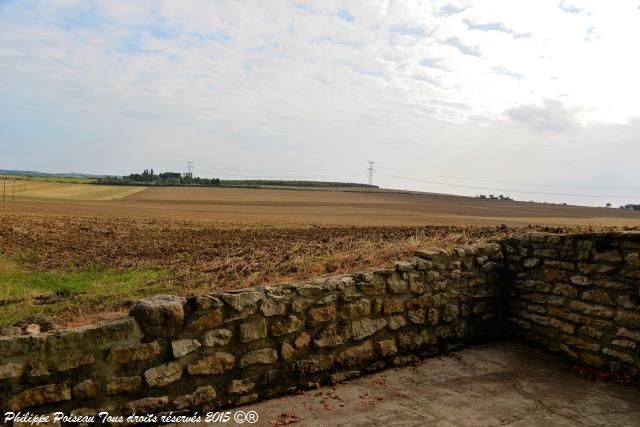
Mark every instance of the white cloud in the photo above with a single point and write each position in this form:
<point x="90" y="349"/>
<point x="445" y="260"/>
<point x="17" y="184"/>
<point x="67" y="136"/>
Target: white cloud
<point x="244" y="83"/>
<point x="552" y="115"/>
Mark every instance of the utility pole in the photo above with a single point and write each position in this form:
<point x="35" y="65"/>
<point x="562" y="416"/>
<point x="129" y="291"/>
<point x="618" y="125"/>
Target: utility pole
<point x="371" y="171"/>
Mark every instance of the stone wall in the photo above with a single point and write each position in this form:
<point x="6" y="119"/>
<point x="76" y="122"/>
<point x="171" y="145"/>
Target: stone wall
<point x="577" y="295"/>
<point x="212" y="351"/>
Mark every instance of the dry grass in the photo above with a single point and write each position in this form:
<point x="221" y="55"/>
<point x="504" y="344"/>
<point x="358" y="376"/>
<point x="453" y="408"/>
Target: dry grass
<point x="87" y="268"/>
<point x="40" y="188"/>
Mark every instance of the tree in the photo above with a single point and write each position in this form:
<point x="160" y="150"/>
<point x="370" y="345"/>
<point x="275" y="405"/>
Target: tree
<point x="608" y="205"/>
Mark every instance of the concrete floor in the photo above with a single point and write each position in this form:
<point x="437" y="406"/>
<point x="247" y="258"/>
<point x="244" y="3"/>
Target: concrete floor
<point x="489" y="385"/>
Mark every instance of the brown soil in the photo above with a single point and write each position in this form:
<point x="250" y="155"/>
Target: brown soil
<point x="325" y="207"/>
<point x="206" y="239"/>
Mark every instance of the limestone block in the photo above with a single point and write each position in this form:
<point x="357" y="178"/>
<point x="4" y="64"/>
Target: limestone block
<point x="211" y="365"/>
<point x="164" y="374"/>
<point x="39" y="395"/>
<point x="183" y="347"/>
<point x="159" y="316"/>
<point x="199" y="397"/>
<point x="363" y="328"/>
<point x="217" y="337"/>
<point x="263" y="356"/>
<point x="253" y="330"/>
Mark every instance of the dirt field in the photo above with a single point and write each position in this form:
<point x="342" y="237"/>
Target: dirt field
<point x="79" y="260"/>
<point x="76" y="268"/>
<point x="298" y="206"/>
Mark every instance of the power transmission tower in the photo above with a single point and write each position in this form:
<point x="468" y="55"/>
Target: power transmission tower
<point x="189" y="166"/>
<point x="371" y="171"/>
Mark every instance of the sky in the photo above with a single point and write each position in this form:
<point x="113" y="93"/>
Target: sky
<point x="536" y="100"/>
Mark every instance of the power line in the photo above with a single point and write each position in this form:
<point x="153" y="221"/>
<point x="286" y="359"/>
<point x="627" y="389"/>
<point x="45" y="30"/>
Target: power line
<point x="513" y="183"/>
<point x="277" y="177"/>
<point x="273" y="170"/>
<point x="508" y="189"/>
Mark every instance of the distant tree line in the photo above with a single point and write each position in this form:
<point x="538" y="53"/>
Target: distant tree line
<point x="492" y="197"/>
<point x="630" y="207"/>
<point x="148" y="177"/>
<point x="274" y="182"/>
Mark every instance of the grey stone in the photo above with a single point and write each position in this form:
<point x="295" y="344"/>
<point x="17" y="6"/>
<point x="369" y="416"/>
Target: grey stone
<point x="147" y="405"/>
<point x="11" y="331"/>
<point x="119" y="384"/>
<point x="308" y="290"/>
<point x="240" y="386"/>
<point x="44" y="321"/>
<point x="417" y="316"/>
<point x="85" y="389"/>
<point x="285" y="325"/>
<point x="133" y="352"/>
<point x="287" y="351"/>
<point x="200" y="396"/>
<point x="393" y="305"/>
<point x="396" y="285"/>
<point x="243" y="400"/>
<point x="205" y="302"/>
<point x="162" y="375"/>
<point x="211" y="365"/>
<point x="160" y="316"/>
<point x="32" y="328"/>
<point x="627" y="358"/>
<point x="451" y="312"/>
<point x="253" y="330"/>
<point x="217" y="337"/>
<point x="11" y="370"/>
<point x="633" y="259"/>
<point x="183" y="347"/>
<point x="356" y="355"/>
<point x="395" y="322"/>
<point x="274" y="307"/>
<point x="363" y="328"/>
<point x="339" y="377"/>
<point x="313" y="364"/>
<point x="60" y="361"/>
<point x="298" y="305"/>
<point x="580" y="280"/>
<point x="610" y="255"/>
<point x="329" y="337"/>
<point x="319" y="315"/>
<point x="302" y="341"/>
<point x="39" y="395"/>
<point x="243" y="302"/>
<point x="386" y="348"/>
<point x="263" y="356"/>
<point x="207" y="321"/>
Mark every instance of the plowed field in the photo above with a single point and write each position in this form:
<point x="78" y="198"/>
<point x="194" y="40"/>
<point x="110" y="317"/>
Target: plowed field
<point x="79" y="260"/>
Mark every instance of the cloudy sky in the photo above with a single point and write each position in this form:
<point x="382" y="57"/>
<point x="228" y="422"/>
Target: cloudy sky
<point x="533" y="99"/>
